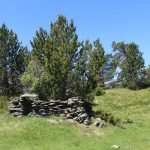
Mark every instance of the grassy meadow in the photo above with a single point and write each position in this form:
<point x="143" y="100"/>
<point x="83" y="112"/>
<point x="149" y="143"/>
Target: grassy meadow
<point x="32" y="133"/>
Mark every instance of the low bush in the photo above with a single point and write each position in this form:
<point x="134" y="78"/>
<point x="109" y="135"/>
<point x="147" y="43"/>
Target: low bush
<point x="108" y="117"/>
<point x="90" y="97"/>
<point x="99" y="91"/>
<point x="3" y="103"/>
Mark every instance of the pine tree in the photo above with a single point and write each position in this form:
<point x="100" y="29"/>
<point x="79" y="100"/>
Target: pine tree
<point x="97" y="64"/>
<point x="38" y="45"/>
<point x="62" y="52"/>
<point x="131" y="63"/>
<point x="80" y="81"/>
<point x="67" y="67"/>
<point x="147" y="75"/>
<point x="4" y="33"/>
<point x="13" y="61"/>
<point x="57" y="53"/>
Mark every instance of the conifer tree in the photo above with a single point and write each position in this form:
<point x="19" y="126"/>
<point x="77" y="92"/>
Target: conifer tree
<point x="80" y="77"/>
<point x="38" y="45"/>
<point x="57" y="53"/>
<point x="131" y="63"/>
<point x="12" y="63"/>
<point x="61" y="56"/>
<point x="67" y="67"/>
<point x="147" y="75"/>
<point x="97" y="64"/>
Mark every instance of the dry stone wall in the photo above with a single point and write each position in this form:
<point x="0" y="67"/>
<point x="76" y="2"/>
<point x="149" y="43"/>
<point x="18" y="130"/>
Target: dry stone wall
<point x="73" y="108"/>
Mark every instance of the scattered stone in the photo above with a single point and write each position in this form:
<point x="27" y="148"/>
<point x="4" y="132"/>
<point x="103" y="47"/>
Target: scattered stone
<point x="75" y="118"/>
<point x="69" y="116"/>
<point x="87" y="121"/>
<point x="99" y="123"/>
<point x="98" y="119"/>
<point x="83" y="115"/>
<point x="102" y="124"/>
<point x="115" y="146"/>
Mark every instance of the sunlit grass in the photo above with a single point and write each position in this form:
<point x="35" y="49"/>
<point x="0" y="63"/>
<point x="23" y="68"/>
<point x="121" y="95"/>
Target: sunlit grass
<point x="31" y="133"/>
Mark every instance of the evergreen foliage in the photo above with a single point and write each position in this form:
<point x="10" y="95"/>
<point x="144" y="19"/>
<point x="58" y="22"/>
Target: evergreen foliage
<point x="13" y="60"/>
<point x="131" y="63"/>
<point x="146" y="77"/>
<point x="61" y="66"/>
<point x="148" y="74"/>
<point x="67" y="67"/>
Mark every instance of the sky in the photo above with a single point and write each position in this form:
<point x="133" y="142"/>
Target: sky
<point x="109" y="20"/>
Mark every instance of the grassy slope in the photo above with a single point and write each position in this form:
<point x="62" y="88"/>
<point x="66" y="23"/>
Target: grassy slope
<point x="30" y="133"/>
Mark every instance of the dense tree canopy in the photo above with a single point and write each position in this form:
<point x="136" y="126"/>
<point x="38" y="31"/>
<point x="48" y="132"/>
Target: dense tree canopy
<point x="61" y="66"/>
<point x="71" y="68"/>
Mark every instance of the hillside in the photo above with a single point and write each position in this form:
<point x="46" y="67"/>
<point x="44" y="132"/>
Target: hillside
<point x="39" y="134"/>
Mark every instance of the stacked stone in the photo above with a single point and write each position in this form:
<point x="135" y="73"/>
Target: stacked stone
<point x="42" y="108"/>
<point x="21" y="106"/>
<point x="73" y="108"/>
<point x="76" y="111"/>
<point x="16" y="108"/>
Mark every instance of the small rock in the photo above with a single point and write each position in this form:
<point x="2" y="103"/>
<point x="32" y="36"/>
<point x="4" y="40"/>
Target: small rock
<point x="87" y="122"/>
<point x="96" y="123"/>
<point x="115" y="146"/>
<point x="75" y="118"/>
<point x="83" y="115"/>
<point x="102" y="123"/>
<point x="29" y="95"/>
<point x="98" y="119"/>
<point x="68" y="116"/>
<point x="70" y="102"/>
<point x="99" y="123"/>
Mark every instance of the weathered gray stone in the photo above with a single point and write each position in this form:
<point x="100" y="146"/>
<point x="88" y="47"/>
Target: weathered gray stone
<point x="83" y="115"/>
<point x="99" y="123"/>
<point x="71" y="109"/>
<point x="75" y="118"/>
<point x="70" y="102"/>
<point x="87" y="121"/>
<point x="102" y="124"/>
<point x="69" y="116"/>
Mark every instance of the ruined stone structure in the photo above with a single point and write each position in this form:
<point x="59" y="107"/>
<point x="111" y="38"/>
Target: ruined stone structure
<point x="74" y="108"/>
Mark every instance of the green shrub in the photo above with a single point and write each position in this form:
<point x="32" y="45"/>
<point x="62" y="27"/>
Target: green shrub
<point x="99" y="91"/>
<point x="3" y="102"/>
<point x="108" y="117"/>
<point x="90" y="97"/>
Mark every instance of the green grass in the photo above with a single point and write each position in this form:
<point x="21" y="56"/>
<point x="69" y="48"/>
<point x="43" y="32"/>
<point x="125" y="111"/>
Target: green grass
<point x="124" y="102"/>
<point x="4" y="103"/>
<point x="31" y="133"/>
